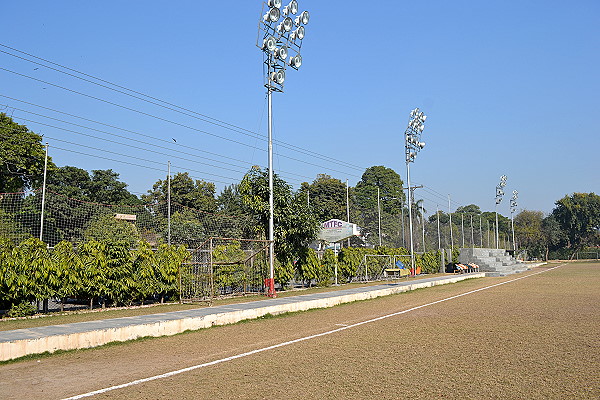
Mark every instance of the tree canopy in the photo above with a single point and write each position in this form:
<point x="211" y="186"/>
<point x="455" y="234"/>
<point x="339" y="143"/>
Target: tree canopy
<point x="196" y="194"/>
<point x="295" y="226"/>
<point x="579" y="217"/>
<point x="22" y="157"/>
<point x="327" y="197"/>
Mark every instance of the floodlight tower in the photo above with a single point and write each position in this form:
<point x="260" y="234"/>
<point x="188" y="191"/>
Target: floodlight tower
<point x="280" y="36"/>
<point x="513" y="208"/>
<point x="412" y="145"/>
<point x="499" y="194"/>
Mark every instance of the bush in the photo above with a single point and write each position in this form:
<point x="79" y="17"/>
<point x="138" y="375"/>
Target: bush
<point x="23" y="309"/>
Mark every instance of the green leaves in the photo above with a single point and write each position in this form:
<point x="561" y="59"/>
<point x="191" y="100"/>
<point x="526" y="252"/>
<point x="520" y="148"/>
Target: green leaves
<point x="295" y="225"/>
<point x="579" y="217"/>
<point x="22" y="157"/>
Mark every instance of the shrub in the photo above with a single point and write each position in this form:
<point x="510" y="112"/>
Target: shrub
<point x="24" y="309"/>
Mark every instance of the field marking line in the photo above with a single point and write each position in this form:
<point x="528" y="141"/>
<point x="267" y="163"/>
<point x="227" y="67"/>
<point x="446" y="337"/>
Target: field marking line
<point x="276" y="346"/>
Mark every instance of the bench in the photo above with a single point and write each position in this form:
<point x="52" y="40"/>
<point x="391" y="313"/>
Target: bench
<point x="400" y="272"/>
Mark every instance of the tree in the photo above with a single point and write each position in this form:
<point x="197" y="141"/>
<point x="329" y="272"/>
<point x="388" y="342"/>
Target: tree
<point x="470" y="209"/>
<point x="229" y="202"/>
<point x="528" y="232"/>
<point x="22" y="157"/>
<point x="295" y="225"/>
<point x="579" y="217"/>
<point x="196" y="194"/>
<point x="391" y="200"/>
<point x="327" y="197"/>
<point x="104" y="187"/>
<point x="554" y="236"/>
<point x="107" y="228"/>
<point x="389" y="184"/>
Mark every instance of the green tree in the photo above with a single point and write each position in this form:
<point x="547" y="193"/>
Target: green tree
<point x="94" y="282"/>
<point x="168" y="262"/>
<point x="69" y="269"/>
<point x="579" y="217"/>
<point x="327" y="198"/>
<point x="196" y="194"/>
<point x="529" y="233"/>
<point x="389" y="184"/>
<point x="229" y="202"/>
<point x="104" y="187"/>
<point x="145" y="282"/>
<point x="470" y="209"/>
<point x="391" y="199"/>
<point x="295" y="226"/>
<point x="107" y="228"/>
<point x="22" y="157"/>
<point x="554" y="237"/>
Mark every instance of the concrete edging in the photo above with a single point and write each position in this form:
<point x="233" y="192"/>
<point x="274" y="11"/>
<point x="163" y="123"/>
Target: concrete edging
<point x="11" y="349"/>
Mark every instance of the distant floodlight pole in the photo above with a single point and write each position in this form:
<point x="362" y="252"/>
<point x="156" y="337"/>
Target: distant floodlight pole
<point x="412" y="145"/>
<point x="278" y="39"/>
<point x="499" y="194"/>
<point x="513" y="208"/>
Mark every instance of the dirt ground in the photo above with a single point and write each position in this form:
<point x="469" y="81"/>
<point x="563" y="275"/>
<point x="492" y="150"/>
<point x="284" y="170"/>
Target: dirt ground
<point x="535" y="338"/>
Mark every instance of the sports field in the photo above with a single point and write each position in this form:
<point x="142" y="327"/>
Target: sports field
<point x="534" y="335"/>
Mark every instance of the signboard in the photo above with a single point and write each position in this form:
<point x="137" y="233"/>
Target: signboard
<point x="335" y="230"/>
<point x="126" y="217"/>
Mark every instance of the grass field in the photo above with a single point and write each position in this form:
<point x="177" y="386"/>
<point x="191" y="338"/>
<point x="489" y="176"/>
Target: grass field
<point x="531" y="338"/>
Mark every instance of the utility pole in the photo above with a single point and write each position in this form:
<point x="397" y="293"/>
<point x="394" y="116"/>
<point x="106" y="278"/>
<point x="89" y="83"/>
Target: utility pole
<point x="169" y="202"/>
<point x="44" y="194"/>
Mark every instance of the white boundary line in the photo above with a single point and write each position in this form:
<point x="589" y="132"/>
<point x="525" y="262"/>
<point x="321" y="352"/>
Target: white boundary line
<point x="249" y="353"/>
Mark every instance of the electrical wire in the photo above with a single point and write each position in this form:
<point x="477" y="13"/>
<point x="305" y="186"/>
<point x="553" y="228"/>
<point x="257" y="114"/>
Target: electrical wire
<point x="247" y="145"/>
<point x="170" y="106"/>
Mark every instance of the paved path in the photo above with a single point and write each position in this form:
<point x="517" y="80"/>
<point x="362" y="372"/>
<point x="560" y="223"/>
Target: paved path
<point x="21" y="342"/>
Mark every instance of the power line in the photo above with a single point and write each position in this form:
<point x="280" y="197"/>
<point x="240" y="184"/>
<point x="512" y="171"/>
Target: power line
<point x="283" y="173"/>
<point x="169" y="106"/>
<point x="244" y="144"/>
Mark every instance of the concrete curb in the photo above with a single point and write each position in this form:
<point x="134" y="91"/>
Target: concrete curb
<point x="22" y="342"/>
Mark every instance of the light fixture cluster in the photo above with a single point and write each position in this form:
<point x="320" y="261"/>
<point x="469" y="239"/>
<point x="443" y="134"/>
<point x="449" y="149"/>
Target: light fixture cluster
<point x="513" y="201"/>
<point x="500" y="189"/>
<point x="281" y="31"/>
<point x="416" y="125"/>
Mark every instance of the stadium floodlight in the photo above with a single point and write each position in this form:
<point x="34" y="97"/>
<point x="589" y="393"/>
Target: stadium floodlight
<point x="291" y="8"/>
<point x="270" y="43"/>
<point x="281" y="52"/>
<point x="296" y="61"/>
<point x="302" y="19"/>
<point x="286" y="25"/>
<point x="298" y="33"/>
<point x="281" y="47"/>
<point x="273" y="15"/>
<point x="499" y="194"/>
<point x="412" y="146"/>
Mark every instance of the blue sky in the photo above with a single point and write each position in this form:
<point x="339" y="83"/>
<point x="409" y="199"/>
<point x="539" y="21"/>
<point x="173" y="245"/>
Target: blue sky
<point x="509" y="87"/>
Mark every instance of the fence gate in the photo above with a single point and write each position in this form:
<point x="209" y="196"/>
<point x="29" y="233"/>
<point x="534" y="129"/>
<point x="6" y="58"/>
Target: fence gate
<point x="224" y="267"/>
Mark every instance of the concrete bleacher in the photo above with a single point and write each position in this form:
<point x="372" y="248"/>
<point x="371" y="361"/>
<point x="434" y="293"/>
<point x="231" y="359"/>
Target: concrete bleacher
<point x="494" y="262"/>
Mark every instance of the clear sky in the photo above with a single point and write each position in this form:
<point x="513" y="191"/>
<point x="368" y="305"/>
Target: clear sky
<point x="510" y="87"/>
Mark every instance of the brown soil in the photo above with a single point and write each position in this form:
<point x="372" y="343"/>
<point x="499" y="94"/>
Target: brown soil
<point x="535" y="338"/>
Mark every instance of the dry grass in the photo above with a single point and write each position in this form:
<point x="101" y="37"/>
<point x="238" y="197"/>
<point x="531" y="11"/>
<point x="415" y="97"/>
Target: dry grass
<point x="536" y="338"/>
